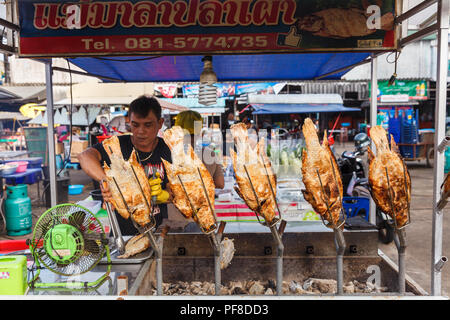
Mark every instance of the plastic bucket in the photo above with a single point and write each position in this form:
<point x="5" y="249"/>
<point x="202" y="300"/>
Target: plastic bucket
<point x="75" y="189"/>
<point x="21" y="166"/>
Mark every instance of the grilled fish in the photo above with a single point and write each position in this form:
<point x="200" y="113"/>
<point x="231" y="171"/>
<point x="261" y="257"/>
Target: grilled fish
<point x="388" y="164"/>
<point x="255" y="163"/>
<point x="445" y="192"/>
<point x="341" y="23"/>
<point x="121" y="171"/>
<point x="188" y="168"/>
<point x="321" y="176"/>
<point x="135" y="245"/>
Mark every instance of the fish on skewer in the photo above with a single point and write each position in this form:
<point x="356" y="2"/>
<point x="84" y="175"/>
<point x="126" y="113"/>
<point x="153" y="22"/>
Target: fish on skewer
<point x="445" y="192"/>
<point x="321" y="176"/>
<point x="124" y="186"/>
<point x="389" y="178"/>
<point x="191" y="183"/>
<point x="255" y="178"/>
<point x="137" y="244"/>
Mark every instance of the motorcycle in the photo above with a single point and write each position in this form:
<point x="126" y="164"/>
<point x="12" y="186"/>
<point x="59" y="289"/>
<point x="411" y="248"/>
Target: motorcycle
<point x="355" y="184"/>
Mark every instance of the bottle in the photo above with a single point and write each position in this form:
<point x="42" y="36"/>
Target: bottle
<point x="422" y="89"/>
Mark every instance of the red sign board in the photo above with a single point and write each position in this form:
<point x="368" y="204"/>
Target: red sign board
<point x="67" y="28"/>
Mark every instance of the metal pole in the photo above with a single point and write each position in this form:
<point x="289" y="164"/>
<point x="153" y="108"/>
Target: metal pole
<point x="373" y="123"/>
<point x="157" y="248"/>
<point x="277" y="234"/>
<point x="339" y="241"/>
<point x="215" y="239"/>
<point x="217" y="254"/>
<point x="50" y="133"/>
<point x="438" y="171"/>
<point x="114" y="225"/>
<point x="400" y="243"/>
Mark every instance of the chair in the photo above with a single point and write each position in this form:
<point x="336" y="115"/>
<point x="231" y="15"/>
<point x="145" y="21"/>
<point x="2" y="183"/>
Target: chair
<point x="354" y="206"/>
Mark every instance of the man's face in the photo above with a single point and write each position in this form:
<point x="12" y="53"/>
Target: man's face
<point x="146" y="129"/>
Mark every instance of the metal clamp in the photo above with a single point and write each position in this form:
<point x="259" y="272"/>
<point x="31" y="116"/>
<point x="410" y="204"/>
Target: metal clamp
<point x="438" y="266"/>
<point x="444" y="143"/>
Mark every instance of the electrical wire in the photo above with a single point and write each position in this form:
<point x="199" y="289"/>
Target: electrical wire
<point x="397" y="55"/>
<point x="127" y="60"/>
<point x="70" y="119"/>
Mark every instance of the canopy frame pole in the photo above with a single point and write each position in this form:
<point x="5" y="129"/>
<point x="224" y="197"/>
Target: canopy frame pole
<point x="50" y="134"/>
<point x="373" y="123"/>
<point x="438" y="171"/>
<point x="373" y="55"/>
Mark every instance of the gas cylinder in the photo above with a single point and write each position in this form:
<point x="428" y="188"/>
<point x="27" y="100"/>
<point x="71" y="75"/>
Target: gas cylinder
<point x="18" y="210"/>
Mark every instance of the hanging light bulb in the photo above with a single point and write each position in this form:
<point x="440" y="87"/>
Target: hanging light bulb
<point x="207" y="94"/>
<point x="394" y="75"/>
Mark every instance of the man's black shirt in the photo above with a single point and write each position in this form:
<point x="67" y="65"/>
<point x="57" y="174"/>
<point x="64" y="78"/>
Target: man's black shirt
<point x="150" y="165"/>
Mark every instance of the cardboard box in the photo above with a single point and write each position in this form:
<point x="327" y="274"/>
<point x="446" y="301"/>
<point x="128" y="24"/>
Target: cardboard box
<point x="78" y="146"/>
<point x="59" y="148"/>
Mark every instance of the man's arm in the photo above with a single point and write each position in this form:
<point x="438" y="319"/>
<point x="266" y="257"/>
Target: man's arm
<point x="90" y="163"/>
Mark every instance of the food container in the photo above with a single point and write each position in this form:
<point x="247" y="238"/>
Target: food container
<point x="21" y="166"/>
<point x="8" y="168"/>
<point x="75" y="189"/>
<point x="13" y="275"/>
<point x="97" y="195"/>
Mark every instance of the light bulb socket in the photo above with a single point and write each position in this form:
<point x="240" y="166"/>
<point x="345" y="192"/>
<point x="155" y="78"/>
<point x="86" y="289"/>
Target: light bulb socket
<point x="207" y="58"/>
<point x="392" y="80"/>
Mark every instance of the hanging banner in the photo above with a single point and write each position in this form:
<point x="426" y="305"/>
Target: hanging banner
<point x="223" y="90"/>
<point x="228" y="90"/>
<point x="168" y="91"/>
<point x="260" y="88"/>
<point x="402" y="90"/>
<point x="51" y="28"/>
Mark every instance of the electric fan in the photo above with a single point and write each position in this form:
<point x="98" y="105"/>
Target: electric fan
<point x="69" y="241"/>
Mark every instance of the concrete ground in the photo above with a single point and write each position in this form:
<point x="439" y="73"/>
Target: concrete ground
<point x="419" y="237"/>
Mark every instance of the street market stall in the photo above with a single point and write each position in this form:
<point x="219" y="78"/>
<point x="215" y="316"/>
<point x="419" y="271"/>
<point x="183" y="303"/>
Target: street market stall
<point x="288" y="27"/>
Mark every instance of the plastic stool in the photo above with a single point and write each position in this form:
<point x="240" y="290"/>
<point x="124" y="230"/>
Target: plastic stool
<point x="354" y="205"/>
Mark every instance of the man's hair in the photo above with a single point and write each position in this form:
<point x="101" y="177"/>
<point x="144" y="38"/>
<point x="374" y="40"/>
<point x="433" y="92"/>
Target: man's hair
<point x="143" y="105"/>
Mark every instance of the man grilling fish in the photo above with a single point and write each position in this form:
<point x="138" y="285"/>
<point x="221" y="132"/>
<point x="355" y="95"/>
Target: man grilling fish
<point x="145" y="122"/>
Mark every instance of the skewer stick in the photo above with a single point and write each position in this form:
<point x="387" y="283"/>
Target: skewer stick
<point x="206" y="194"/>
<point x="339" y="242"/>
<point x="256" y="196"/>
<point x="194" y="211"/>
<point x="271" y="188"/>
<point x="399" y="239"/>
<point x="145" y="198"/>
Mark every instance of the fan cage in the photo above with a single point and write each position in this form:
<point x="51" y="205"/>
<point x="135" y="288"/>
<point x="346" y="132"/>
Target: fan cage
<point x="92" y="232"/>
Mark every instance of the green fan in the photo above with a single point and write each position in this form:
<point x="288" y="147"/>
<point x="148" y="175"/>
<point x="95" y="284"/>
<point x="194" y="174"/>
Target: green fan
<point x="68" y="240"/>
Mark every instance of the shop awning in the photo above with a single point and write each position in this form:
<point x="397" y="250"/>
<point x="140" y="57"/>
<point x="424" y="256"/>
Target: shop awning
<point x="283" y="108"/>
<point x="259" y="67"/>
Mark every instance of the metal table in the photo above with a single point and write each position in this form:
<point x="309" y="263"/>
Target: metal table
<point x="4" y="155"/>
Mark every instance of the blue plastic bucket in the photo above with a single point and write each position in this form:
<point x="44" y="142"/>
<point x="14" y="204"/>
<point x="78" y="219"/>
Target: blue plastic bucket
<point x="75" y="189"/>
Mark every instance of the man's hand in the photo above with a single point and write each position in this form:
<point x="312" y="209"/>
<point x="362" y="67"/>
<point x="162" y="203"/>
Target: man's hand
<point x="106" y="194"/>
<point x="162" y="196"/>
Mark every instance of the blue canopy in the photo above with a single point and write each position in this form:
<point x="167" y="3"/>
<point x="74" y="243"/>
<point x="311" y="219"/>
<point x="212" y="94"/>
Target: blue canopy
<point x="250" y="67"/>
<point x="283" y="108"/>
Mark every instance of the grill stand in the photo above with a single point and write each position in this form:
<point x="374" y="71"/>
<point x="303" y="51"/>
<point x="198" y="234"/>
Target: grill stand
<point x="277" y="234"/>
<point x="215" y="239"/>
<point x="117" y="234"/>
<point x="157" y="245"/>
<point x="339" y="241"/>
<point x="400" y="233"/>
<point x="400" y="243"/>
